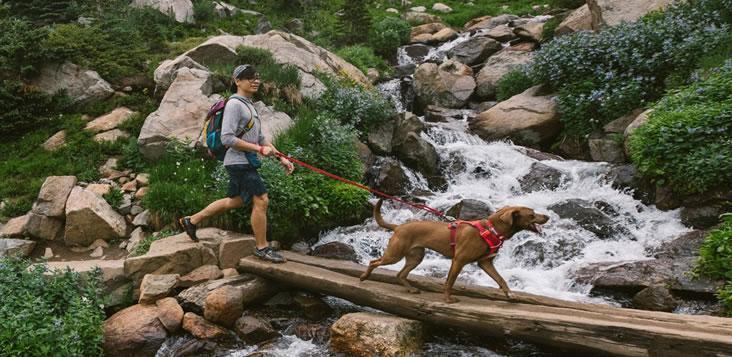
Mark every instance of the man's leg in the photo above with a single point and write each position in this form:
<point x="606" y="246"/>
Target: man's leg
<point x="259" y="219"/>
<point x="188" y="224"/>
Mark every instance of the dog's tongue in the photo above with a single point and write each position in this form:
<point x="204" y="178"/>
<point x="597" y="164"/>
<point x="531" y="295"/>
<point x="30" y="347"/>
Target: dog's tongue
<point x="537" y="228"/>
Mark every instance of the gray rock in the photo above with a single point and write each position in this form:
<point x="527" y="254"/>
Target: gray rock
<point x="388" y="176"/>
<point x="470" y="209"/>
<point x="587" y="217"/>
<point x="655" y="298"/>
<point x="335" y="250"/>
<point x="541" y="177"/>
<point x="16" y="247"/>
<point x="701" y="217"/>
<point x="254" y="330"/>
<point x="475" y="50"/>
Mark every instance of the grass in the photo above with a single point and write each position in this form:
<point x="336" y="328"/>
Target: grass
<point x="144" y="246"/>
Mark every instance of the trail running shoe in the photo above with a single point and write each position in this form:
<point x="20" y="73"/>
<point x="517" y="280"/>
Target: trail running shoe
<point x="185" y="224"/>
<point x="269" y="254"/>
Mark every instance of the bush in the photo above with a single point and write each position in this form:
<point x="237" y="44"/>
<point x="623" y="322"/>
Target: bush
<point x="715" y="259"/>
<point x="354" y="106"/>
<point x="25" y="108"/>
<point x="566" y="4"/>
<point x="514" y="82"/>
<point x="355" y="23"/>
<point x="21" y="53"/>
<point x="363" y="58"/>
<point x="114" y="197"/>
<point x="687" y="141"/>
<point x="388" y="34"/>
<point x="41" y="315"/>
<point x="602" y="76"/>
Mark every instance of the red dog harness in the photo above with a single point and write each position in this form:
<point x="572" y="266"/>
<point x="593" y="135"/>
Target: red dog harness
<point x="489" y="235"/>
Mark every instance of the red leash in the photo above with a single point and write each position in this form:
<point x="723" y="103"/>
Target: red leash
<point x="353" y="183"/>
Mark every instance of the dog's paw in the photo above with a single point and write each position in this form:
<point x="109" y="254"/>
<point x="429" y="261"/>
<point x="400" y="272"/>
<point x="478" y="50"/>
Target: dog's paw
<point x="510" y="295"/>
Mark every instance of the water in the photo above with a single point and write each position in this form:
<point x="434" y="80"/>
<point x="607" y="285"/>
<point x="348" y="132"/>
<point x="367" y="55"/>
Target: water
<point x="539" y="264"/>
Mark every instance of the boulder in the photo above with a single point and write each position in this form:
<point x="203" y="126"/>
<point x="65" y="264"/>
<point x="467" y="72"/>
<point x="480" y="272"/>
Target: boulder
<point x="51" y="201"/>
<point x="172" y="255"/>
<point x="116" y="287"/>
<point x="495" y="68"/>
<point x="607" y="148"/>
<point x="16" y="247"/>
<point x="202" y="329"/>
<point x="610" y="13"/>
<point x="254" y="289"/>
<point x="134" y="331"/>
<point x="419" y="18"/>
<point x="335" y="250"/>
<point x="42" y="227"/>
<point x="531" y="31"/>
<point x="586" y="216"/>
<point x="90" y="217"/>
<point x="312" y="307"/>
<point x="470" y="209"/>
<point x="388" y="176"/>
<point x="501" y="33"/>
<point x="579" y="20"/>
<point x="142" y="219"/>
<point x="167" y="71"/>
<point x="528" y="119"/>
<point x="306" y="57"/>
<point x="273" y="122"/>
<point x="475" y="50"/>
<point x="418" y="154"/>
<point x="639" y="120"/>
<point x="180" y="10"/>
<point x="254" y="330"/>
<point x="380" y="139"/>
<point x="100" y="189"/>
<point x="136" y="237"/>
<point x="448" y="85"/>
<point x="82" y="86"/>
<point x="702" y="217"/>
<point x="429" y="29"/>
<point x="317" y="333"/>
<point x="224" y="305"/>
<point x="199" y="275"/>
<point x="367" y="334"/>
<point x="440" y="7"/>
<point x="110" y="120"/>
<point x="180" y="114"/>
<point x="540" y="177"/>
<point x="111" y="136"/>
<point x="170" y="314"/>
<point x="55" y="142"/>
<point x="489" y="22"/>
<point x="16" y="227"/>
<point x="155" y="287"/>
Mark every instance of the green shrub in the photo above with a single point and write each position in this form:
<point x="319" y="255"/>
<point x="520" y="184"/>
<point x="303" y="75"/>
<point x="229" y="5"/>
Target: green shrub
<point x="21" y="53"/>
<point x="514" y="82"/>
<point x="602" y="76"/>
<point x="547" y="33"/>
<point x="566" y="4"/>
<point x="203" y="10"/>
<point x="114" y="197"/>
<point x="57" y="315"/>
<point x="144" y="246"/>
<point x="715" y="259"/>
<point x="355" y="22"/>
<point x="388" y="34"/>
<point x="687" y="141"/>
<point x="25" y="108"/>
<point x="45" y="12"/>
<point x="362" y="57"/>
<point x="354" y="106"/>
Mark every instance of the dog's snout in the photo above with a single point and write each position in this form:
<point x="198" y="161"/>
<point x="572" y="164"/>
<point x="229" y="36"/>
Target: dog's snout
<point x="543" y="218"/>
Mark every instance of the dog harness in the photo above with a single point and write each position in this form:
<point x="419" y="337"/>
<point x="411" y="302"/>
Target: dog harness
<point x="489" y="235"/>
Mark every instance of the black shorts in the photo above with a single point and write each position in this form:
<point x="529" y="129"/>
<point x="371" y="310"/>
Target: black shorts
<point x="244" y="181"/>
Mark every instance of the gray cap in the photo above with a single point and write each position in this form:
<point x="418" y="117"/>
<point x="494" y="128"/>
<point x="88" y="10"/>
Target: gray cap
<point x="249" y="69"/>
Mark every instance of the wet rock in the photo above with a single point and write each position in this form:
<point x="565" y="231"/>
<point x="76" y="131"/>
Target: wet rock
<point x="586" y="216"/>
<point x="418" y="154"/>
<point x="655" y="298"/>
<point x="539" y="155"/>
<point x="376" y="334"/>
<point x="317" y="333"/>
<point x="531" y="31"/>
<point x="254" y="289"/>
<point x="475" y="50"/>
<point x="701" y="217"/>
<point x="202" y="329"/>
<point x="224" y="305"/>
<point x="449" y="84"/>
<point x="254" y="330"/>
<point x="434" y="113"/>
<point x="301" y="247"/>
<point x="607" y="148"/>
<point x="313" y="307"/>
<point x="547" y="253"/>
<point x="489" y="22"/>
<point x="470" y="209"/>
<point x="380" y="139"/>
<point x="541" y="177"/>
<point x="335" y="250"/>
<point x="388" y="176"/>
<point x="155" y="287"/>
<point x="416" y="52"/>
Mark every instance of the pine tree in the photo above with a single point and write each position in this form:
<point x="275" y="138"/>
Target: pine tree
<point x="44" y="12"/>
<point x="355" y="23"/>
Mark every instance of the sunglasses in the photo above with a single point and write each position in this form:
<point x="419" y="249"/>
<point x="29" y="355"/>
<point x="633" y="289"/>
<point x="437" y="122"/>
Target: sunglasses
<point x="256" y="77"/>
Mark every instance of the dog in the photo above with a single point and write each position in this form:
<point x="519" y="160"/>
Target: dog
<point x="410" y="239"/>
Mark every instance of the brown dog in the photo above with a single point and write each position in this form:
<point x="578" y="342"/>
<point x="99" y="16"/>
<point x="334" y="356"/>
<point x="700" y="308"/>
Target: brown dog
<point x="410" y="239"/>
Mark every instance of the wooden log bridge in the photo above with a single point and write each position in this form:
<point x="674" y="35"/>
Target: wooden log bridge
<point x="542" y="320"/>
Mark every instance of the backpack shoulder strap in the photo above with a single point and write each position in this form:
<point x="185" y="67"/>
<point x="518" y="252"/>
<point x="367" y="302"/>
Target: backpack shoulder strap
<point x="252" y="112"/>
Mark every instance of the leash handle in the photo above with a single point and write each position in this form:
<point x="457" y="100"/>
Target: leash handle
<point x="364" y="187"/>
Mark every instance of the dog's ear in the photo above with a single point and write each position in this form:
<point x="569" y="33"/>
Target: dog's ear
<point x="507" y="216"/>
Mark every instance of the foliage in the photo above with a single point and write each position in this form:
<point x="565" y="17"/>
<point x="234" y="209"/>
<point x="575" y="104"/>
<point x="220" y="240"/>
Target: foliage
<point x="203" y="10"/>
<point x="49" y="315"/>
<point x="25" y="108"/>
<point x="566" y="4"/>
<point x="355" y="22"/>
<point x="547" y="32"/>
<point x="715" y="259"/>
<point x="363" y="58"/>
<point x="114" y="197"/>
<point x="280" y="83"/>
<point x="514" y="82"/>
<point x="21" y="53"/>
<point x="44" y="12"/>
<point x="601" y="76"/>
<point x="360" y="108"/>
<point x="388" y="34"/>
<point x="687" y="141"/>
<point x="144" y="246"/>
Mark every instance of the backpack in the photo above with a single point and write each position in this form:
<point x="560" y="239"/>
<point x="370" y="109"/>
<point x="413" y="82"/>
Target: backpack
<point x="211" y="131"/>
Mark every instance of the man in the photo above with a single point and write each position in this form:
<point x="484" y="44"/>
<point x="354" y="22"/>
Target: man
<point x="241" y="132"/>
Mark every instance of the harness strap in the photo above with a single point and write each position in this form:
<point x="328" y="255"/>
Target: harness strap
<point x="489" y="235"/>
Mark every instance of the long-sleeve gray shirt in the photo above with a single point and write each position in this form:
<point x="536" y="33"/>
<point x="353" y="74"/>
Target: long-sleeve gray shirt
<point x="236" y="117"/>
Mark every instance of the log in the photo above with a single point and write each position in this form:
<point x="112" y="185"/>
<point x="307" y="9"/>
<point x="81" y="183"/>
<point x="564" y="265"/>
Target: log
<point x="589" y="328"/>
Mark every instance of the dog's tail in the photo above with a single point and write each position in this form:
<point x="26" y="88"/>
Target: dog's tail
<point x="380" y="220"/>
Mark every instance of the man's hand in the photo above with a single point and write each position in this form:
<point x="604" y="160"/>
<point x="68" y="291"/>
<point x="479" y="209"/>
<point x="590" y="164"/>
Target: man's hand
<point x="289" y="167"/>
<point x="266" y="150"/>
